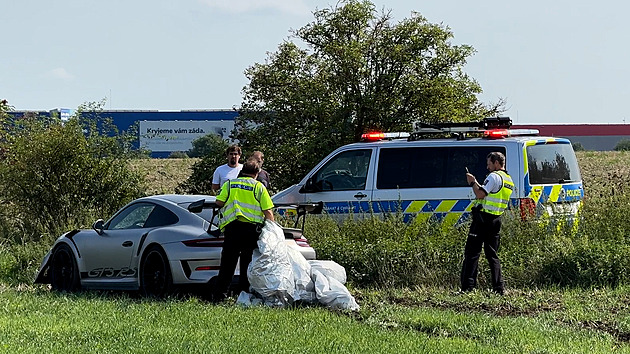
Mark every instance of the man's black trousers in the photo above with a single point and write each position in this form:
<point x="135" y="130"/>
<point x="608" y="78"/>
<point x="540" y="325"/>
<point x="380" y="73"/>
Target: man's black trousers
<point x="484" y="232"/>
<point x="240" y="241"/>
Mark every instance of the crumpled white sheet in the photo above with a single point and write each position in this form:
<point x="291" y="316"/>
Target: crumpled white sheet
<point x="279" y="275"/>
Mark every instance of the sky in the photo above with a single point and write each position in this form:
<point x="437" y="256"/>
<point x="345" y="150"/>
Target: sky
<point x="563" y="62"/>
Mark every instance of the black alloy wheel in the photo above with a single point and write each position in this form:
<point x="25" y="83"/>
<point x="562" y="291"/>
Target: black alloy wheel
<point x="64" y="270"/>
<point x="155" y="273"/>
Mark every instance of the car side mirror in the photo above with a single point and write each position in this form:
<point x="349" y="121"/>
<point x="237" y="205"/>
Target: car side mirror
<point x="98" y="226"/>
<point x="310" y="186"/>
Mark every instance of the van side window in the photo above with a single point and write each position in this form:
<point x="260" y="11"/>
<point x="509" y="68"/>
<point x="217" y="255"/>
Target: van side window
<point x="431" y="167"/>
<point x="346" y="171"/>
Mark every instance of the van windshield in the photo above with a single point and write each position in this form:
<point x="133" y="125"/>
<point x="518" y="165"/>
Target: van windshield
<point x="552" y="163"/>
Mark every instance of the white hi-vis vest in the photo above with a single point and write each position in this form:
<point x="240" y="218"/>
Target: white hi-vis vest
<point x="496" y="203"/>
<point x="243" y="201"/>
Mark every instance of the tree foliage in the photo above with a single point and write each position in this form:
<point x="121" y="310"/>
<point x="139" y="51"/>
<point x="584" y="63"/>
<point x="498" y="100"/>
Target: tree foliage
<point x="212" y="150"/>
<point x="53" y="174"/>
<point x="359" y="71"/>
<point x="211" y="144"/>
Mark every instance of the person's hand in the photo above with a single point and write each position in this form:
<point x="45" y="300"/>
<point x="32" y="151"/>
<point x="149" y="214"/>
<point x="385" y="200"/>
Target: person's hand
<point x="470" y="179"/>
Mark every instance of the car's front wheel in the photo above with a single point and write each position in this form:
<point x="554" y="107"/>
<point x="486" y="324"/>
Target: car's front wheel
<point x="64" y="271"/>
<point x="155" y="273"/>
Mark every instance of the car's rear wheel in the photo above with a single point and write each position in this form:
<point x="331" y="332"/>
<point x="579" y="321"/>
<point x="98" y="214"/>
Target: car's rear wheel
<point x="64" y="271"/>
<point x="155" y="273"/>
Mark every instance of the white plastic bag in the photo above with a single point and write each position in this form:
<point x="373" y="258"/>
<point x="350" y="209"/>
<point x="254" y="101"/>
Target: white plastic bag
<point x="270" y="273"/>
<point x="330" y="269"/>
<point x="248" y="300"/>
<point x="281" y="275"/>
<point x="332" y="293"/>
<point x="304" y="286"/>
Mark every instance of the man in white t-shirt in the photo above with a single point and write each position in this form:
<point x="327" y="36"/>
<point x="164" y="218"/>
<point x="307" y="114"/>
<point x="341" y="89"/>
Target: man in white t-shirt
<point x="228" y="171"/>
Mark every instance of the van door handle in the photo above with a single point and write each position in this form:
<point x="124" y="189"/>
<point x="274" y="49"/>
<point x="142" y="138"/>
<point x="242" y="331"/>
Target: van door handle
<point x="127" y="244"/>
<point x="360" y="195"/>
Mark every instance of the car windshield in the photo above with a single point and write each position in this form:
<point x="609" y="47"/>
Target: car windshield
<point x="552" y="163"/>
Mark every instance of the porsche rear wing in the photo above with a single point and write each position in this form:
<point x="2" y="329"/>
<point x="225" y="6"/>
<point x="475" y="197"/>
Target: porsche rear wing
<point x="301" y="208"/>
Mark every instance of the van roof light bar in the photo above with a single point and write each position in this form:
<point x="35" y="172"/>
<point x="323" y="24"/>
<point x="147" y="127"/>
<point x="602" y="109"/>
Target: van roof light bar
<point x="376" y="136"/>
<point x="460" y="129"/>
<point x="484" y="124"/>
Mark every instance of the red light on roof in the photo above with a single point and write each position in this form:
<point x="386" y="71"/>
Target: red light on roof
<point x="495" y="134"/>
<point x="373" y="136"/>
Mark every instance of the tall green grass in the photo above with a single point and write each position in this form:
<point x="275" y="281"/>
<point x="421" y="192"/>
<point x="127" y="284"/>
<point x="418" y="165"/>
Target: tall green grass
<point x="389" y="252"/>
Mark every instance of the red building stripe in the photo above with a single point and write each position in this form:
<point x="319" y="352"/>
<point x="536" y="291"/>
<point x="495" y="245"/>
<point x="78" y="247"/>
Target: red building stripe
<point x="560" y="130"/>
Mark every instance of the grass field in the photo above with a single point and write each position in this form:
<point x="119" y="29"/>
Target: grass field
<point x="415" y="320"/>
<point x="412" y="321"/>
<point x="163" y="175"/>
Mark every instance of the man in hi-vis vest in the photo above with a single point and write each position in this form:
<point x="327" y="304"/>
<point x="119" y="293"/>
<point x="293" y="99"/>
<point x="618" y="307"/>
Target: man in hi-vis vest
<point x="493" y="198"/>
<point x="245" y="204"/>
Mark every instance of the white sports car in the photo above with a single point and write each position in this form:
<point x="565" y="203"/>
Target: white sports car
<point x="152" y="244"/>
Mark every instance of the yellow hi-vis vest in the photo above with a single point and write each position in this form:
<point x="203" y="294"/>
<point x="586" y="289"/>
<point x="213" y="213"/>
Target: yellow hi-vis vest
<point x="496" y="203"/>
<point x="243" y="201"/>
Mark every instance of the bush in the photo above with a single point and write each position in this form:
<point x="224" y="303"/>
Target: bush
<point x="178" y="155"/>
<point x="19" y="262"/>
<point x="212" y="150"/>
<point x="577" y="146"/>
<point x="200" y="179"/>
<point x="623" y="145"/>
<point x="390" y="252"/>
<point x="211" y="144"/>
<point x="53" y="176"/>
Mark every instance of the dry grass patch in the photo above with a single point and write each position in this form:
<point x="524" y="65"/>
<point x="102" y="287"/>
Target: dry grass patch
<point x="163" y="175"/>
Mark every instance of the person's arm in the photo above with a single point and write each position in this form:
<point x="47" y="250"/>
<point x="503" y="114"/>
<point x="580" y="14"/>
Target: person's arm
<point x="265" y="203"/>
<point x="216" y="180"/>
<point x="268" y="214"/>
<point x="223" y="196"/>
<point x="480" y="193"/>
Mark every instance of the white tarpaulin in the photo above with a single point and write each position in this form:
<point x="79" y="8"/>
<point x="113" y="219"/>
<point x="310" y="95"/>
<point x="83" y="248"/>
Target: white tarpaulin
<point x="280" y="275"/>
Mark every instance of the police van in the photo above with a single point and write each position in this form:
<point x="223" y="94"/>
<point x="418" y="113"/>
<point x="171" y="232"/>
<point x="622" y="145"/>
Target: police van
<point x="421" y="176"/>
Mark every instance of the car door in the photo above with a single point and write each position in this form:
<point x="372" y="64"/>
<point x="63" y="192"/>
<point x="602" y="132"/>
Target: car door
<point x="108" y="255"/>
<point x="343" y="183"/>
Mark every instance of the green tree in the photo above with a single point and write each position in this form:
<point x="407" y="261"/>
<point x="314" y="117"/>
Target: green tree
<point x="101" y="130"/>
<point x="211" y="144"/>
<point x="4" y="107"/>
<point x="55" y="175"/>
<point x="360" y="71"/>
<point x="200" y="180"/>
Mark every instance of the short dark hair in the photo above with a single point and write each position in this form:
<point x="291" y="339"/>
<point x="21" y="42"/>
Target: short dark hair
<point x="496" y="156"/>
<point x="232" y="148"/>
<point x="251" y="167"/>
